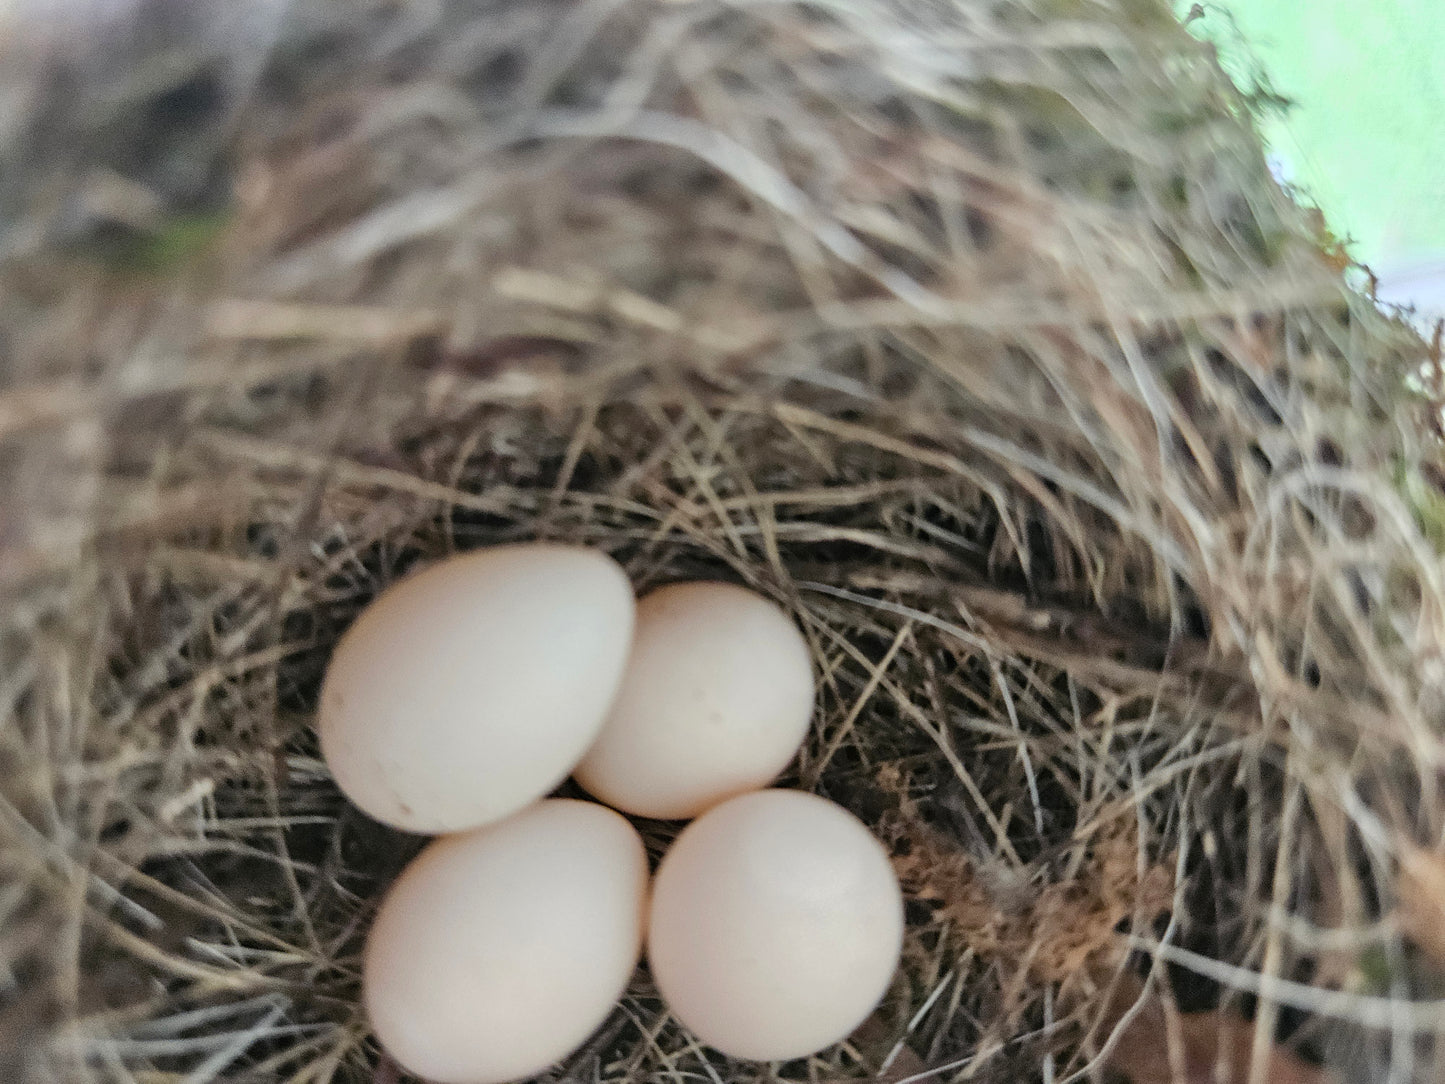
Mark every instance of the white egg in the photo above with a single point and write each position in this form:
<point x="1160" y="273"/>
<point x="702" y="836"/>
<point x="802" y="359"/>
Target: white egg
<point x="471" y="689"/>
<point x="776" y="925"/>
<point x="715" y="701"/>
<point x="500" y="950"/>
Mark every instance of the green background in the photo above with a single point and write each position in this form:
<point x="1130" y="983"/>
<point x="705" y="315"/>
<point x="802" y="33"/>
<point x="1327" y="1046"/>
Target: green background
<point x="1365" y="137"/>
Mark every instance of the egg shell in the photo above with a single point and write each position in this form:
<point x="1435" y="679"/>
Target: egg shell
<point x="471" y="689"/>
<point x="499" y="951"/>
<point x="776" y="925"/>
<point x="715" y="701"/>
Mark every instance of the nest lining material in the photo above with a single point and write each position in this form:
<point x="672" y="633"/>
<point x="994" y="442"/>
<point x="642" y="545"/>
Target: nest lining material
<point x="975" y="334"/>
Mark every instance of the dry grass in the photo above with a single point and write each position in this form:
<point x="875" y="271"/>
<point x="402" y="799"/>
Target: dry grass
<point x="975" y="333"/>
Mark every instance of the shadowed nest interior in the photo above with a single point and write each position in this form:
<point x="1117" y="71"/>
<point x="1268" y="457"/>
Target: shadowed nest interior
<point x="973" y="332"/>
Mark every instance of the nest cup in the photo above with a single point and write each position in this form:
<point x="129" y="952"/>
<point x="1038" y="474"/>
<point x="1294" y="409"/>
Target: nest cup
<point x="975" y="334"/>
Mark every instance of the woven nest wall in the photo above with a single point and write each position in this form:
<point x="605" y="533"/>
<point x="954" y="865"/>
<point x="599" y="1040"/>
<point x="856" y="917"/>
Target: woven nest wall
<point x="973" y="332"/>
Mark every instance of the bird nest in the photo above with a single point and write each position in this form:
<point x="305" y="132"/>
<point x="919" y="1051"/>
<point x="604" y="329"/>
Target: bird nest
<point x="975" y="333"/>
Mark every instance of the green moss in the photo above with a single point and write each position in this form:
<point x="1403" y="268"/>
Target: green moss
<point x="165" y="249"/>
<point x="1425" y="501"/>
<point x="1374" y="965"/>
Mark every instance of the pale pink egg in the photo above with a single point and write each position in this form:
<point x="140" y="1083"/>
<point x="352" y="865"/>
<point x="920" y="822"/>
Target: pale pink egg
<point x="776" y="925"/>
<point x="472" y="688"/>
<point x="500" y="950"/>
<point x="715" y="701"/>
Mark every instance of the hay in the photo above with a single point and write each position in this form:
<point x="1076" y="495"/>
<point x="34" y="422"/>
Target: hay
<point x="974" y="333"/>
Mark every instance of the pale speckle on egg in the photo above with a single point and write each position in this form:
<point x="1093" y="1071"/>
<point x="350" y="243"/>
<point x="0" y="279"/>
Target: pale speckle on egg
<point x="776" y="925"/>
<point x="470" y="689"/>
<point x="716" y="699"/>
<point x="499" y="951"/>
